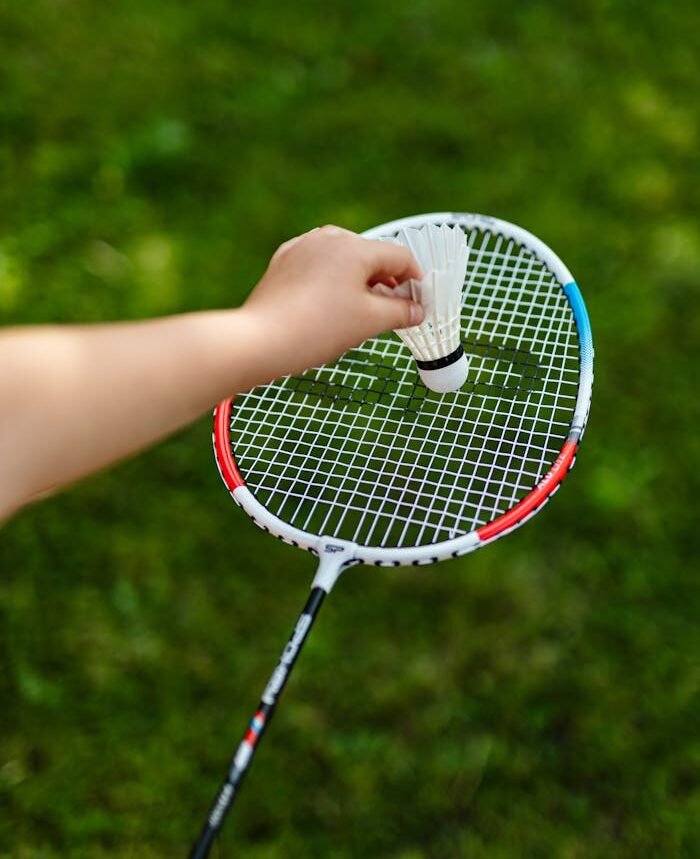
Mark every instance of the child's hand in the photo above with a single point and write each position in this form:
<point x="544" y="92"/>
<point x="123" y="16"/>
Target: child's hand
<point x="314" y="302"/>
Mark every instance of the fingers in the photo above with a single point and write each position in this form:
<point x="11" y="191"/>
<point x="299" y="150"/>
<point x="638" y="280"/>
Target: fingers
<point x="393" y="312"/>
<point x="388" y="280"/>
<point x="333" y="230"/>
<point x="289" y="244"/>
<point x="329" y="230"/>
<point x="383" y="261"/>
<point x="387" y="260"/>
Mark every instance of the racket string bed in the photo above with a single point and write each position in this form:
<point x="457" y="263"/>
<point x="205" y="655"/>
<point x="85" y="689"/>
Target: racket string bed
<point x="363" y="451"/>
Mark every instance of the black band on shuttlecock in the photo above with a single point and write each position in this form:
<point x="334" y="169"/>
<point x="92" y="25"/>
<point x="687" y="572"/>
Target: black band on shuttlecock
<point x="439" y="363"/>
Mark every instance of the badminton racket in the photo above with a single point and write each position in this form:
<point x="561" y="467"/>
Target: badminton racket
<point x="358" y="463"/>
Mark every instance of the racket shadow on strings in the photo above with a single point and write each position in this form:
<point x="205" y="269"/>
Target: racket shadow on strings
<point x="358" y="463"/>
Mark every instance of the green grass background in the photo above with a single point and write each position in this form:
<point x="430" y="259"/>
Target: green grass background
<point x="538" y="699"/>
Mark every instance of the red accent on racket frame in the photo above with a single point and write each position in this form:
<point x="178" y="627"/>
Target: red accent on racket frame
<point x="535" y="498"/>
<point x="222" y="446"/>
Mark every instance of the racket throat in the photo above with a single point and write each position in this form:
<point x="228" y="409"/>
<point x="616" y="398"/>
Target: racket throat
<point x="334" y="556"/>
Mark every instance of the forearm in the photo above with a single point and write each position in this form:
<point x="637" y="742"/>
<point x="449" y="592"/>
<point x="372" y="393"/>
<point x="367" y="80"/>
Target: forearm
<point x="76" y="398"/>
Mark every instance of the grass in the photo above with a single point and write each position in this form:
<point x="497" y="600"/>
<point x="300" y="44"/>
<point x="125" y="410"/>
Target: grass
<point x="538" y="699"/>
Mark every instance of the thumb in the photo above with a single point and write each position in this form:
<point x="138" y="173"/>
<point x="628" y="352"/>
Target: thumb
<point x="394" y="312"/>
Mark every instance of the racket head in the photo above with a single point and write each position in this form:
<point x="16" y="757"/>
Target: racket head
<point x="359" y="454"/>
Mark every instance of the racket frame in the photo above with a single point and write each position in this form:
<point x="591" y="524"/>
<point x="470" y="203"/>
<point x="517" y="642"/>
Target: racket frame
<point x="336" y="554"/>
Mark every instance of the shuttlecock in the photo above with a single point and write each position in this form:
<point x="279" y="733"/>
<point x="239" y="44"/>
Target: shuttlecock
<point x="442" y="254"/>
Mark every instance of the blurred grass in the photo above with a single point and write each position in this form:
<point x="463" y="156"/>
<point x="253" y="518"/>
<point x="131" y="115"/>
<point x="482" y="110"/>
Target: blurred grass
<point x="537" y="699"/>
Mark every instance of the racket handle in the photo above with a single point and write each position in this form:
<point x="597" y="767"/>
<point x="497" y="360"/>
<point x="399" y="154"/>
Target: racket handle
<point x="244" y="754"/>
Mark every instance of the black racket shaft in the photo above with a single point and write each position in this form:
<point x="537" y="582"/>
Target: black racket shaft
<point x="244" y="754"/>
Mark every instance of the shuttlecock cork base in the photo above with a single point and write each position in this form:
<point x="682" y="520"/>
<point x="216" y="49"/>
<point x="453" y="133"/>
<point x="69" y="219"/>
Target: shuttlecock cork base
<point x="442" y="253"/>
<point x="447" y="374"/>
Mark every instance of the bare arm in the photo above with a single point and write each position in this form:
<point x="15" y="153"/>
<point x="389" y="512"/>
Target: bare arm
<point x="76" y="398"/>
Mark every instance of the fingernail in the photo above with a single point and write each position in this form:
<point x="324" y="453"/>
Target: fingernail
<point x="415" y="315"/>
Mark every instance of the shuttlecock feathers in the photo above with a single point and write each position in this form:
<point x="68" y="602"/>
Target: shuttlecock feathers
<point x="442" y="253"/>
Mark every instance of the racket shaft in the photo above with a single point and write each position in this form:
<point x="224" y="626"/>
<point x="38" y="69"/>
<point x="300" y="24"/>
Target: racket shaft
<point x="244" y="754"/>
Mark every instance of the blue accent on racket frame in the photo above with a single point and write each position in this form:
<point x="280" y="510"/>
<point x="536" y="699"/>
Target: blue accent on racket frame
<point x="578" y="305"/>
